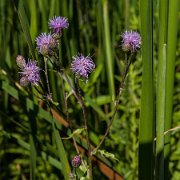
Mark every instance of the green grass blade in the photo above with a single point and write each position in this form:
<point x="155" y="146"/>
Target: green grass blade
<point x="33" y="21"/>
<point x="161" y="88"/>
<point x="146" y="129"/>
<point x="27" y="102"/>
<point x="43" y="5"/>
<point x="96" y="107"/>
<point x="27" y="146"/>
<point x="25" y="26"/>
<point x="46" y="115"/>
<point x="62" y="153"/>
<point x="52" y="8"/>
<point x="171" y="53"/>
<point x="32" y="138"/>
<point x="108" y="49"/>
<point x="160" y="114"/>
<point x="32" y="158"/>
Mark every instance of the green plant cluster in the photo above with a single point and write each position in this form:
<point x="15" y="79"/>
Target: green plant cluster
<point x="28" y="141"/>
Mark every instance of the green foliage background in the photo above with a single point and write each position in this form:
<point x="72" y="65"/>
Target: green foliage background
<point x="20" y="117"/>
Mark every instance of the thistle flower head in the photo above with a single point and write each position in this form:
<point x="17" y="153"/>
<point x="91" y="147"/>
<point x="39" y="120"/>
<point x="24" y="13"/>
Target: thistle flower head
<point x="30" y="73"/>
<point x="58" y="23"/>
<point x="46" y="43"/>
<point x="131" y="41"/>
<point x="76" y="161"/>
<point x="82" y="65"/>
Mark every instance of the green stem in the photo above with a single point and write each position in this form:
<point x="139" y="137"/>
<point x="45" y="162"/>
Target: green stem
<point x="47" y="80"/>
<point x="86" y="128"/>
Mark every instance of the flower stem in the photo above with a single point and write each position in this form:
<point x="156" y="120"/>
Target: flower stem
<point x="85" y="117"/>
<point x="79" y="99"/>
<point x="127" y="65"/>
<point x="47" y="81"/>
<point x="67" y="114"/>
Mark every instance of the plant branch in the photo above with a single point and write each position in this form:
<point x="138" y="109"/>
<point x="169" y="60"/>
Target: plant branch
<point x="66" y="112"/>
<point x="127" y="65"/>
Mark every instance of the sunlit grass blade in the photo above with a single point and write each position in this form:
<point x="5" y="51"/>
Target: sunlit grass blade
<point x="96" y="108"/>
<point x="171" y="53"/>
<point x="160" y="114"/>
<point x="52" y="8"/>
<point x="108" y="49"/>
<point x="43" y="5"/>
<point x="32" y="158"/>
<point x="45" y="115"/>
<point x="61" y="152"/>
<point x="27" y="146"/>
<point x="34" y="19"/>
<point x="161" y="88"/>
<point x="25" y="26"/>
<point x="146" y="129"/>
<point x="32" y="139"/>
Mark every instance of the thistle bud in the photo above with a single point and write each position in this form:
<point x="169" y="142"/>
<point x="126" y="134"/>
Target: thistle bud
<point x="76" y="161"/>
<point x="21" y="63"/>
<point x="24" y="81"/>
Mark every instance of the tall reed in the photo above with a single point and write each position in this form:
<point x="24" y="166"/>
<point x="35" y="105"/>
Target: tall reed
<point x="108" y="49"/>
<point x="170" y="71"/>
<point x="161" y="88"/>
<point x="146" y="129"/>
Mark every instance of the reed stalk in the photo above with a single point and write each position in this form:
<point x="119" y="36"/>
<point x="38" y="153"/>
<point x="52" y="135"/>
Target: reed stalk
<point x="146" y="129"/>
<point x="108" y="50"/>
<point x="171" y="53"/>
<point x="161" y="88"/>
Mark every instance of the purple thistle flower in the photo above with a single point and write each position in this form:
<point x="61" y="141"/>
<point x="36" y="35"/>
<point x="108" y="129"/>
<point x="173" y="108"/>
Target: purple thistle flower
<point x="46" y="43"/>
<point x="76" y="161"/>
<point x="131" y="41"/>
<point x="30" y="73"/>
<point x="82" y="65"/>
<point x="58" y="23"/>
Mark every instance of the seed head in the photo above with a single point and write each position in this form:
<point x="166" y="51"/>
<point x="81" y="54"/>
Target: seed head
<point x="20" y="61"/>
<point x="58" y="23"/>
<point x="131" y="41"/>
<point x="82" y="65"/>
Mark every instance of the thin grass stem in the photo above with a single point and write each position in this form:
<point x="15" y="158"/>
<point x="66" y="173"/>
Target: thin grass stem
<point x="49" y="96"/>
